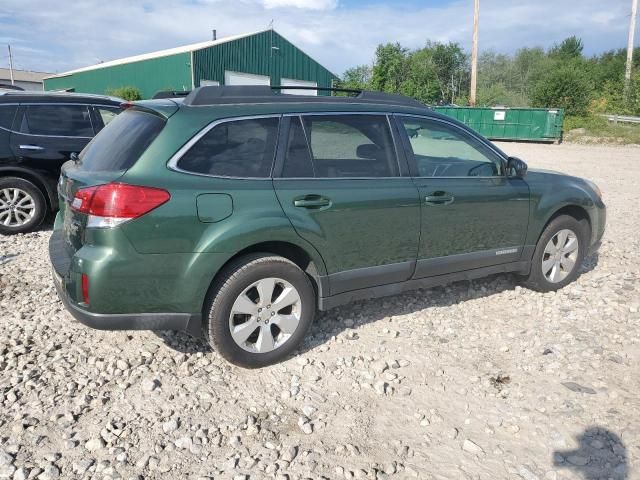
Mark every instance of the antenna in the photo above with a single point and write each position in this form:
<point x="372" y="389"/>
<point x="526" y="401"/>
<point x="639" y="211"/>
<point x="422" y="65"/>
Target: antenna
<point x="11" y="65"/>
<point x="214" y="34"/>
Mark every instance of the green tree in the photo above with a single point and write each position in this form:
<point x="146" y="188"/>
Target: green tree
<point x="422" y="82"/>
<point x="130" y="94"/>
<point x="567" y="86"/>
<point x="569" y="48"/>
<point x="390" y="68"/>
<point x="451" y="65"/>
<point x="357" y="78"/>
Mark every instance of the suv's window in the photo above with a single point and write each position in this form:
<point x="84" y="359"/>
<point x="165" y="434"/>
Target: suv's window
<point x="351" y="146"/>
<point x="106" y="114"/>
<point x="57" y="120"/>
<point x="238" y="148"/>
<point x="441" y="150"/>
<point x="7" y="112"/>
<point x="120" y="144"/>
<point x="297" y="163"/>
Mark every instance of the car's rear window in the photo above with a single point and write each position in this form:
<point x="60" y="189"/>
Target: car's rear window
<point x="119" y="145"/>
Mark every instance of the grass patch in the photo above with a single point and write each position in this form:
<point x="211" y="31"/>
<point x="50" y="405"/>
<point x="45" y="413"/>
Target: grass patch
<point x="598" y="129"/>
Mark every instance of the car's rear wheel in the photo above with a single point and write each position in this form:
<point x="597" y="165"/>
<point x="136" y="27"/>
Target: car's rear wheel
<point x="559" y="254"/>
<point x="22" y="206"/>
<point x="259" y="310"/>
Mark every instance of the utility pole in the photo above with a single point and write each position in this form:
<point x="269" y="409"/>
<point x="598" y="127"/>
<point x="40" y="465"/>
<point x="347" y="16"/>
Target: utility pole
<point x="10" y="65"/>
<point x="474" y="54"/>
<point x="632" y="31"/>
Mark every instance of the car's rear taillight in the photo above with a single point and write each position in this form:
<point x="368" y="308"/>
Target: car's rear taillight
<point x="114" y="203"/>
<point x="85" y="288"/>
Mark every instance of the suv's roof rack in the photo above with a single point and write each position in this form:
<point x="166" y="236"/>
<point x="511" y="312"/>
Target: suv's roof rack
<point x="56" y="94"/>
<point x="170" y="94"/>
<point x="214" y="95"/>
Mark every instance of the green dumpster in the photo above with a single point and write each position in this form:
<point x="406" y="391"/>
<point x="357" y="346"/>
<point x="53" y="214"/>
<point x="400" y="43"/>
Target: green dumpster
<point x="503" y="123"/>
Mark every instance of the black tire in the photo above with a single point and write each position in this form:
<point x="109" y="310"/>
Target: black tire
<point x="40" y="205"/>
<point x="536" y="280"/>
<point x="231" y="283"/>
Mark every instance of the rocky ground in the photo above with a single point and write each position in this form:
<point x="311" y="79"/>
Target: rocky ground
<point x="480" y="380"/>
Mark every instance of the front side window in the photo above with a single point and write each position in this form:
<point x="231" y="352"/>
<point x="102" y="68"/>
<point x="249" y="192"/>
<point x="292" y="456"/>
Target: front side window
<point x="238" y="148"/>
<point x="56" y="120"/>
<point x="440" y="150"/>
<point x="350" y="146"/>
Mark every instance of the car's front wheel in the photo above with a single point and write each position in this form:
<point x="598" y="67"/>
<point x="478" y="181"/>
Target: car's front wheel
<point x="259" y="310"/>
<point x="559" y="254"/>
<point x="22" y="206"/>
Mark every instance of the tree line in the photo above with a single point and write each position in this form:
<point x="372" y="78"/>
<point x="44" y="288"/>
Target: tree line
<point x="561" y="76"/>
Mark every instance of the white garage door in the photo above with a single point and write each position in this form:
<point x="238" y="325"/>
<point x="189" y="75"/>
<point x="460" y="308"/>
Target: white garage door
<point x="290" y="82"/>
<point x="240" y="78"/>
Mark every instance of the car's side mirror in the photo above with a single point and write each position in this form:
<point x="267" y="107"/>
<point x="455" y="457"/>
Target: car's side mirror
<point x="516" y="167"/>
<point x="74" y="156"/>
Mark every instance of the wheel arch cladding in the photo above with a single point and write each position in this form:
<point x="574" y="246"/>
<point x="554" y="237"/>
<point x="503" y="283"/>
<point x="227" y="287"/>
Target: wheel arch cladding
<point x="576" y="211"/>
<point x="307" y="262"/>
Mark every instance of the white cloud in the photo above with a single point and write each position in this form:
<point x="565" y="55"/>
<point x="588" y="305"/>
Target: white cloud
<point x="75" y="34"/>
<point x="304" y="4"/>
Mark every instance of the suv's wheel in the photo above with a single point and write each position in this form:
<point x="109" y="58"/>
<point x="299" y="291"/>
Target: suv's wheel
<point x="22" y="206"/>
<point x="559" y="254"/>
<point x="260" y="310"/>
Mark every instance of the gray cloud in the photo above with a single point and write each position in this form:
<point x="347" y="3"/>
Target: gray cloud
<point x="74" y="34"/>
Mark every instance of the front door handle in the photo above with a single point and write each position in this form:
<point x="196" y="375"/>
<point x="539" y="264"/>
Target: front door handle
<point x="31" y="147"/>
<point x="312" y="202"/>
<point x="439" y="198"/>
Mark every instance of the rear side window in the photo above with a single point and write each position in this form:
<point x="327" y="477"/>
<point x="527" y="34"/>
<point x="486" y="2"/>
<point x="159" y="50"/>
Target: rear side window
<point x="297" y="163"/>
<point x="238" y="148"/>
<point x="56" y="120"/>
<point x="7" y="112"/>
<point x="351" y="146"/>
<point x="119" y="145"/>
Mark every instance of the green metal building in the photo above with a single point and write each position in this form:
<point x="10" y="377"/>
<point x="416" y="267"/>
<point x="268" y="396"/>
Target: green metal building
<point x="260" y="58"/>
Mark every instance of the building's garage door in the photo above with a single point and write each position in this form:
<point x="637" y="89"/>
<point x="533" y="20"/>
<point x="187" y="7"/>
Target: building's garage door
<point x="240" y="78"/>
<point x="290" y="82"/>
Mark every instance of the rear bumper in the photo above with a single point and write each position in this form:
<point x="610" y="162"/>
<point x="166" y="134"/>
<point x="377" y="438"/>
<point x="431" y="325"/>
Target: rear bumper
<point x="191" y="323"/>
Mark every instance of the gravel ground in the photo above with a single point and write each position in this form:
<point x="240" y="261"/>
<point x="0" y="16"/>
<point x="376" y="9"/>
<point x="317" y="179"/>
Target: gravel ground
<point x="476" y="380"/>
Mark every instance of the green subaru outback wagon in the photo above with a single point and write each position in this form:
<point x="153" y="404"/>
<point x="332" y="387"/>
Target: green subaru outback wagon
<point x="237" y="212"/>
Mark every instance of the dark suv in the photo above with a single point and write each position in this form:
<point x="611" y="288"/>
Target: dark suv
<point x="38" y="133"/>
<point x="238" y="212"/>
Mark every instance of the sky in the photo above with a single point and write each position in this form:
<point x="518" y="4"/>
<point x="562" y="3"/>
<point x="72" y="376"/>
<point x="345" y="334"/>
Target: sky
<point x="68" y="34"/>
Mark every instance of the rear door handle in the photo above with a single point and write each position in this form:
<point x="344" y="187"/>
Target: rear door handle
<point x="31" y="147"/>
<point x="439" y="198"/>
<point x="312" y="202"/>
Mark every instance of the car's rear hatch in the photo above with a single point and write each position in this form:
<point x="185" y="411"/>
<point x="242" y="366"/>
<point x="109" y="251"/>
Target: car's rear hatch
<point x="104" y="160"/>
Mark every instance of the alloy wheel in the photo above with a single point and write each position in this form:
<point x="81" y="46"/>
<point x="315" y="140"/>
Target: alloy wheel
<point x="560" y="256"/>
<point x="265" y="315"/>
<point x="17" y="207"/>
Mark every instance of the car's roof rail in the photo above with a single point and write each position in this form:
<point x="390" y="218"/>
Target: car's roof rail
<point x="227" y="94"/>
<point x="57" y="94"/>
<point x="170" y="94"/>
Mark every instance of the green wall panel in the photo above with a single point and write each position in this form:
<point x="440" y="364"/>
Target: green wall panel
<point x="165" y="73"/>
<point x="266" y="53"/>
